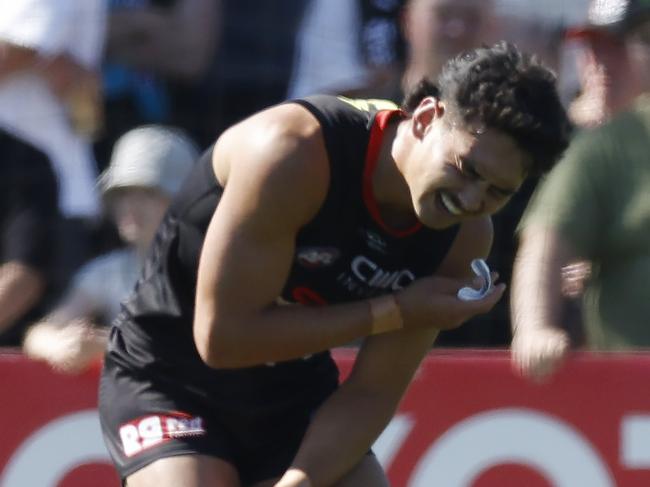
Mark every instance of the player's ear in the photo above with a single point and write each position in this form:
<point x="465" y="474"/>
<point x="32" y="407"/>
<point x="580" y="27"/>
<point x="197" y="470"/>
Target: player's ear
<point x="428" y="110"/>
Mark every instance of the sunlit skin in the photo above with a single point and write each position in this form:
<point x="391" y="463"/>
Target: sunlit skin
<point x="448" y="173"/>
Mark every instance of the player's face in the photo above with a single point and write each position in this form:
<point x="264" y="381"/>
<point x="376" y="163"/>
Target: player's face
<point x="459" y="175"/>
<point x="137" y="212"/>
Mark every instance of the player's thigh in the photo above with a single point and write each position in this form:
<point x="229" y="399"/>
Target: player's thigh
<point x="367" y="473"/>
<point x="185" y="471"/>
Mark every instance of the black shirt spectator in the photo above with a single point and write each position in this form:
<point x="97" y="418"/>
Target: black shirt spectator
<point x="28" y="218"/>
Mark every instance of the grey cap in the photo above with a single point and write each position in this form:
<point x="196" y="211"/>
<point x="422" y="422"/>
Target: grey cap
<point x="151" y="156"/>
<point x="614" y="16"/>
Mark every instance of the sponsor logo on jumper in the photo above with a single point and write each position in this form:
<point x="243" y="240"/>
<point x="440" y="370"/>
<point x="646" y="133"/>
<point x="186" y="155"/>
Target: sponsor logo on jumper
<point x="375" y="241"/>
<point x="149" y="431"/>
<point x="317" y="256"/>
<point x="366" y="277"/>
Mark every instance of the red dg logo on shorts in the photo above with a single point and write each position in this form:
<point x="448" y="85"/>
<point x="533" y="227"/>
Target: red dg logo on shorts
<point x="148" y="431"/>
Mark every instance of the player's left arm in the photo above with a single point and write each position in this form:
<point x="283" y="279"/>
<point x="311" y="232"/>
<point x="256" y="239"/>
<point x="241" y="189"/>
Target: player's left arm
<point x="345" y="427"/>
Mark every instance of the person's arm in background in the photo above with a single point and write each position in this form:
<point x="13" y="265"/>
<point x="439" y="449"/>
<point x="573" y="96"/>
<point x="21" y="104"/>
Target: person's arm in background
<point x="540" y="342"/>
<point x="347" y="424"/>
<point x="140" y="37"/>
<point x="68" y="339"/>
<point x="14" y="58"/>
<point x="34" y="37"/>
<point x="30" y="216"/>
<point x="565" y="222"/>
<point x="21" y="286"/>
<point x="61" y="71"/>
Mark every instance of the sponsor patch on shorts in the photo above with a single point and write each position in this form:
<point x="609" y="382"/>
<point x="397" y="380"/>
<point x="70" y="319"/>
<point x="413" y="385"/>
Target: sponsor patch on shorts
<point x="149" y="431"/>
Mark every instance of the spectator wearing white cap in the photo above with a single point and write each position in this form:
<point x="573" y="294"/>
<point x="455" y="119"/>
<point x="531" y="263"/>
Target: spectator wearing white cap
<point x="147" y="168"/>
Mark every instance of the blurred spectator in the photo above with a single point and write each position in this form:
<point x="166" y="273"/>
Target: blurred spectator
<point x="594" y="206"/>
<point x="49" y="100"/>
<point x="28" y="214"/>
<point x="542" y="37"/>
<point x="49" y="87"/>
<point x="328" y="57"/>
<point x="139" y="35"/>
<point x="383" y="47"/>
<point x="249" y="70"/>
<point x="608" y="82"/>
<point x="147" y="168"/>
<point x="351" y="47"/>
<point x="437" y="30"/>
<point x="142" y="57"/>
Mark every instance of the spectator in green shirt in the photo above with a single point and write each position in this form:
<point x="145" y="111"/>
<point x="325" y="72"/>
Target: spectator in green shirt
<point x="595" y="205"/>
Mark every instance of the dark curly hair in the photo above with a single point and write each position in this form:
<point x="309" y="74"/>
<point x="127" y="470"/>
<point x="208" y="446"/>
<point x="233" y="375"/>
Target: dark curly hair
<point x="501" y="88"/>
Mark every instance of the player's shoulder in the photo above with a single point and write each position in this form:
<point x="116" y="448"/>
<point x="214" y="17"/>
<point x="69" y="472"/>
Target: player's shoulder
<point x="331" y="109"/>
<point x="280" y="155"/>
<point x="287" y="126"/>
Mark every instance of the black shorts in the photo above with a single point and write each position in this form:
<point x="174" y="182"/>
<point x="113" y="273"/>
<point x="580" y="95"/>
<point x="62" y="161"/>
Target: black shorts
<point x="252" y="418"/>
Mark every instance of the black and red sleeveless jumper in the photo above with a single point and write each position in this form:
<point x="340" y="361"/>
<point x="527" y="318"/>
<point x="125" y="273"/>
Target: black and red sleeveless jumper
<point x="345" y="253"/>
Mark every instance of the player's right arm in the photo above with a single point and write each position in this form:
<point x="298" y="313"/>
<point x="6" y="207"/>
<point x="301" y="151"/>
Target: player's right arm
<point x="275" y="172"/>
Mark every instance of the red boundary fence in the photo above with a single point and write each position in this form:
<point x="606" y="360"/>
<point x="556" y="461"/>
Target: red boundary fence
<point x="466" y="421"/>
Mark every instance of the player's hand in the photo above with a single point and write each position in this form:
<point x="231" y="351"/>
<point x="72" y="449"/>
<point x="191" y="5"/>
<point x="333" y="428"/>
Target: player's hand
<point x="433" y="301"/>
<point x="537" y="353"/>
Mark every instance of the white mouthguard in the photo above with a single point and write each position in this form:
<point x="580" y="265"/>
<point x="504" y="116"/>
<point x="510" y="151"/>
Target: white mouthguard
<point x="481" y="269"/>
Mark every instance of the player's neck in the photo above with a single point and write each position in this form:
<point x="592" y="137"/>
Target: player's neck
<point x="389" y="187"/>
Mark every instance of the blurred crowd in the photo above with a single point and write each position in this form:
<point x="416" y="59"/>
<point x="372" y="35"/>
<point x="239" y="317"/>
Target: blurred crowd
<point x="104" y="104"/>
